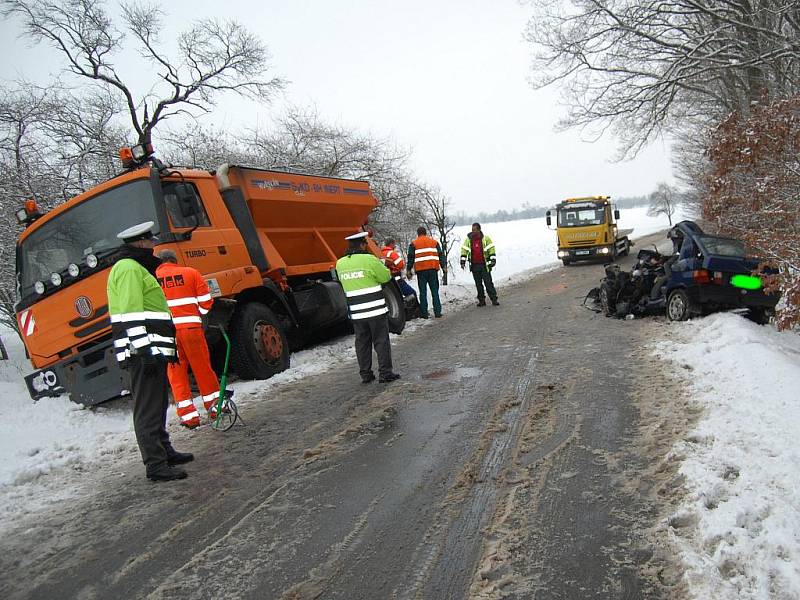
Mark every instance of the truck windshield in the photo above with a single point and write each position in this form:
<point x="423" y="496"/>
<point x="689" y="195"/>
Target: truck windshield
<point x="581" y="215"/>
<point x="91" y="227"/>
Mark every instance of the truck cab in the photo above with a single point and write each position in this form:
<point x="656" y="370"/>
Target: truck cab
<point x="586" y="228"/>
<point x="265" y="241"/>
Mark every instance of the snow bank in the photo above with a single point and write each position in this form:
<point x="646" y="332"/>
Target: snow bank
<point x="742" y="464"/>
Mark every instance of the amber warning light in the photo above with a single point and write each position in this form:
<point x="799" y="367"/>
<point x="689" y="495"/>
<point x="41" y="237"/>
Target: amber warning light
<point x="135" y="155"/>
<point x="29" y="213"/>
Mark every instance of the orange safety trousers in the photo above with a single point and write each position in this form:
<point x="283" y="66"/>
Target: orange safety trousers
<point x="192" y="353"/>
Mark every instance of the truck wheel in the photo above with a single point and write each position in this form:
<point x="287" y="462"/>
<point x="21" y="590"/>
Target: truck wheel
<point x="626" y="250"/>
<point x="678" y="306"/>
<point x="565" y="261"/>
<point x="259" y="345"/>
<point x="607" y="300"/>
<point x="397" y="308"/>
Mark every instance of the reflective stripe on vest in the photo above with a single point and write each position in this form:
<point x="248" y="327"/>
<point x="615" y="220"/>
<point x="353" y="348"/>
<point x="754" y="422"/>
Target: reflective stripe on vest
<point x="366" y="303"/>
<point x="426" y="254"/>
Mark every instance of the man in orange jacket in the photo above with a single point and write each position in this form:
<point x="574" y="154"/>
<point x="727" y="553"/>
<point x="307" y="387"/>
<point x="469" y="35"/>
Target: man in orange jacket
<point x="425" y="256"/>
<point x="188" y="299"/>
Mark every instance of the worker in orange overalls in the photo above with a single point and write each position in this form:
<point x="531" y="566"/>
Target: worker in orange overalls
<point x="394" y="261"/>
<point x="188" y="299"/>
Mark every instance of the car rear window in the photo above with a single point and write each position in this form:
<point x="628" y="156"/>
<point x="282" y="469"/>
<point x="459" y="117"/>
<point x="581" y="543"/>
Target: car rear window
<point x="723" y="246"/>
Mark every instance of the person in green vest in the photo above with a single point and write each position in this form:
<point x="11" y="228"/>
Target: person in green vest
<point x="144" y="342"/>
<point x="479" y="250"/>
<point x="362" y="275"/>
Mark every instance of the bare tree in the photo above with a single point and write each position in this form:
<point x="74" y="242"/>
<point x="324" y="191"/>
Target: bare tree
<point x="663" y="201"/>
<point x="214" y="56"/>
<point x="53" y="145"/>
<point x="641" y="67"/>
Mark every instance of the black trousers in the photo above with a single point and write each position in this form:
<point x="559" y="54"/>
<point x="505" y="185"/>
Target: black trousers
<point x="483" y="276"/>
<point x="150" y="403"/>
<point x="373" y="333"/>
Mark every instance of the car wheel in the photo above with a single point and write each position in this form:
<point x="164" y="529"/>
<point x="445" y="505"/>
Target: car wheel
<point x="678" y="306"/>
<point x="607" y="300"/>
<point x="761" y="316"/>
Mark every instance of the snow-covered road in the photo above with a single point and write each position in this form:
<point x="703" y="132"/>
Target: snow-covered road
<point x="741" y="462"/>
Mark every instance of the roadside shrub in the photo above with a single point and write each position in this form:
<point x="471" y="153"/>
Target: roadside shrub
<point x="753" y="192"/>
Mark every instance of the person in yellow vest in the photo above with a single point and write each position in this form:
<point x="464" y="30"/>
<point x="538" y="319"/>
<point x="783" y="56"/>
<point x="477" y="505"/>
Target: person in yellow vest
<point x="425" y="256"/>
<point x="362" y="277"/>
<point x="144" y="341"/>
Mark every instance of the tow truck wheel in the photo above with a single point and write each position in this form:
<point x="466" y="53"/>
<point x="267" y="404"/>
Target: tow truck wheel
<point x="260" y="348"/>
<point x="565" y="261"/>
<point x="678" y="306"/>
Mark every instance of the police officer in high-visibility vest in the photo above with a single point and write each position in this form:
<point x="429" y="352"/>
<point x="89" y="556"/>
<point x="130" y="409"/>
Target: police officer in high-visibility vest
<point x="188" y="299"/>
<point x="144" y="342"/>
<point x="425" y="256"/>
<point x="362" y="276"/>
<point x="478" y="249"/>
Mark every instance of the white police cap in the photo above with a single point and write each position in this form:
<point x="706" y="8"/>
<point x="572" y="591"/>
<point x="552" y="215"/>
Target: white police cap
<point x="355" y="236"/>
<point x="137" y="232"/>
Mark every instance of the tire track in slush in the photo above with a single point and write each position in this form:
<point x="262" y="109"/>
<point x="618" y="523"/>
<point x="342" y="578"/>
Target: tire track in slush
<point x="451" y="547"/>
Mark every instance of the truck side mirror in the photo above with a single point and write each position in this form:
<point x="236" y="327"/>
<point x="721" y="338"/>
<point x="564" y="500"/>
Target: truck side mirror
<point x="187" y="201"/>
<point x="616" y="214"/>
<point x="548" y="219"/>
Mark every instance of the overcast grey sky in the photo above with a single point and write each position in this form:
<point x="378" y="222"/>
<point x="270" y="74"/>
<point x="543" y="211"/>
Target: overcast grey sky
<point x="447" y="78"/>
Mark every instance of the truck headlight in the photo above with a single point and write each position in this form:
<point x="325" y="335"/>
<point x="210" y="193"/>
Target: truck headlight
<point x="604" y="250"/>
<point x="562" y="253"/>
<point x="73" y="270"/>
<point x="39" y="287"/>
<point x="55" y="279"/>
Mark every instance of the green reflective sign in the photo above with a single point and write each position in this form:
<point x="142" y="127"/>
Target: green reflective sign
<point x="746" y="282"/>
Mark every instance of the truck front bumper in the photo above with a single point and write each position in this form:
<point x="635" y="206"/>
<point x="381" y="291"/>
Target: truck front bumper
<point x="585" y="253"/>
<point x="90" y="377"/>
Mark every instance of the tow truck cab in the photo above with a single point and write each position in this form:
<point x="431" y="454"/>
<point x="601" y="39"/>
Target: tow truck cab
<point x="586" y="229"/>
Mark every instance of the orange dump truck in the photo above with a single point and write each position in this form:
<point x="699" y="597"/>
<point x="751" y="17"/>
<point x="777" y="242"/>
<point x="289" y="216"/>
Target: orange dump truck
<point x="266" y="240"/>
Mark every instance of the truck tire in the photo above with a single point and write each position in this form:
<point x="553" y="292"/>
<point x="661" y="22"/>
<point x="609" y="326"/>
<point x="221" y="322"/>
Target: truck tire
<point x="565" y="261"/>
<point x="608" y="301"/>
<point x="259" y="345"/>
<point x="626" y="250"/>
<point x="397" y="308"/>
<point x="679" y="307"/>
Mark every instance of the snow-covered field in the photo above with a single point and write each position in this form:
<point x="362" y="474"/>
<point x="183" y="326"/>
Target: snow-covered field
<point x="741" y="465"/>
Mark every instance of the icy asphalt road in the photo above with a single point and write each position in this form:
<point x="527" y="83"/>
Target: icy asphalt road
<point x="506" y="463"/>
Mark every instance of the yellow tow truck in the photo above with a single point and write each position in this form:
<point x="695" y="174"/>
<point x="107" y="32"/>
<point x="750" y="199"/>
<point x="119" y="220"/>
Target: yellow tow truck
<point x="586" y="229"/>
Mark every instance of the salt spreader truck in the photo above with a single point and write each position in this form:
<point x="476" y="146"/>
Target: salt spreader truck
<point x="265" y="241"/>
<point x="586" y="229"/>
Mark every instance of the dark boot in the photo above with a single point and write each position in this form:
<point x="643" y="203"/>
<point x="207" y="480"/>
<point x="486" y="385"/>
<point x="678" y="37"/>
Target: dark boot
<point x="165" y="472"/>
<point x="368" y="378"/>
<point x="389" y="378"/>
<point x="495" y="302"/>
<point x="481" y="302"/>
<point x="179" y="458"/>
